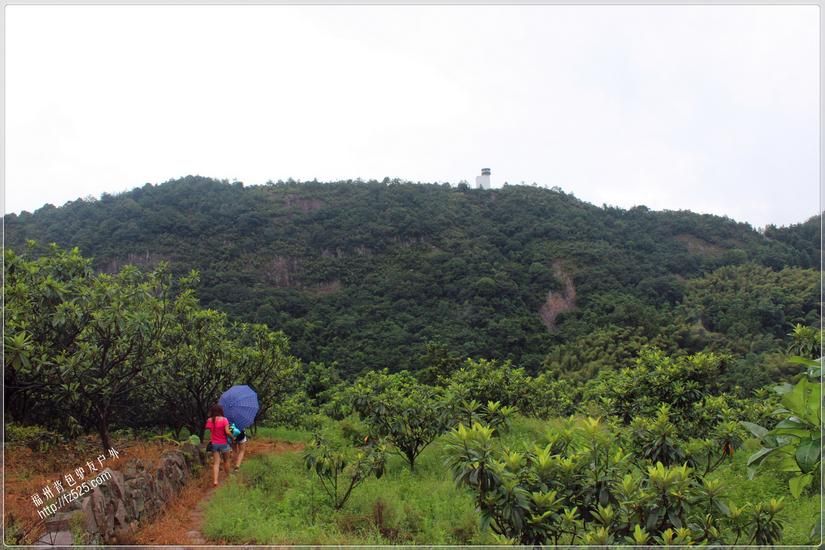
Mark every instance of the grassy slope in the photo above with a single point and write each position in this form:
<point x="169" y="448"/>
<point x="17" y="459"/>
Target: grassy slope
<point x="798" y="515"/>
<point x="278" y="502"/>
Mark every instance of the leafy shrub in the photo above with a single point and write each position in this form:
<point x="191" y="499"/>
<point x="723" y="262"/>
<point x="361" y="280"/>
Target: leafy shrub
<point x="354" y="430"/>
<point x="583" y="488"/>
<point x="549" y="398"/>
<point x="680" y="382"/>
<point x="291" y="411"/>
<point x="408" y="414"/>
<point x="656" y="439"/>
<point x="493" y="414"/>
<point x="484" y="381"/>
<point x="342" y="470"/>
<point x="794" y="444"/>
<point x="37" y="438"/>
<point x="805" y="341"/>
<point x="767" y="529"/>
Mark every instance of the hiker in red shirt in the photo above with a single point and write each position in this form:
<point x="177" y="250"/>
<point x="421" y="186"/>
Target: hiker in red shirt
<point x="218" y="425"/>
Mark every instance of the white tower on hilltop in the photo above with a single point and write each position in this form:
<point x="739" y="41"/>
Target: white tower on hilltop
<point x="483" y="181"/>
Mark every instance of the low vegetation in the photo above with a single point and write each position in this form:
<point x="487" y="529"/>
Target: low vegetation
<point x="277" y="500"/>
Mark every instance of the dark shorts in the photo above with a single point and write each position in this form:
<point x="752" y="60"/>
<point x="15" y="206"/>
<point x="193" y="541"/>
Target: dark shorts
<point x="242" y="439"/>
<point x="225" y="448"/>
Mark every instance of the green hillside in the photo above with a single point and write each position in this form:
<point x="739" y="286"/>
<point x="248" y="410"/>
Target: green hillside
<point x="511" y="366"/>
<point x="409" y="276"/>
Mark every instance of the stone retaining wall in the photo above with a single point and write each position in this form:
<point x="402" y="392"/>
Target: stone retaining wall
<point x="132" y="496"/>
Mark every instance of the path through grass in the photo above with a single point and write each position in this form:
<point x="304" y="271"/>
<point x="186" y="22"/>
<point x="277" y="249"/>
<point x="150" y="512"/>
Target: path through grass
<point x="276" y="501"/>
<point x="182" y="522"/>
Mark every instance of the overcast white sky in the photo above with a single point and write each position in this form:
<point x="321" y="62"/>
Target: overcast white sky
<point x="714" y="109"/>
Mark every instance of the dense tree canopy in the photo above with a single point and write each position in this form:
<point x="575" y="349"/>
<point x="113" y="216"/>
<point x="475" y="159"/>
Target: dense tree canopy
<point x="86" y="351"/>
<point x="367" y="274"/>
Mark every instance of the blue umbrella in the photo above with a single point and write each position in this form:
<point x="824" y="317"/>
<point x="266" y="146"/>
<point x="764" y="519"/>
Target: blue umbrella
<point x="240" y="405"/>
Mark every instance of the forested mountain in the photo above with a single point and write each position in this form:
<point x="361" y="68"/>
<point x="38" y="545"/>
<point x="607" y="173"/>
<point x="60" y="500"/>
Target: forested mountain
<point x="414" y="276"/>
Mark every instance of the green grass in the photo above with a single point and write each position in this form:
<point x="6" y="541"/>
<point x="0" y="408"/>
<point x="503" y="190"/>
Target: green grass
<point x="524" y="432"/>
<point x="280" y="433"/>
<point x="798" y="515"/>
<point x="275" y="500"/>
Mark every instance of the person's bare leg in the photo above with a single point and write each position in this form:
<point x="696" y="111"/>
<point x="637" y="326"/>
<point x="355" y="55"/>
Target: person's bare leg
<point x="216" y="464"/>
<point x="226" y="463"/>
<point x="241" y="451"/>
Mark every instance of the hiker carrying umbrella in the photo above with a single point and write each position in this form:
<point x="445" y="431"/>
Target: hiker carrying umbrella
<point x="240" y="404"/>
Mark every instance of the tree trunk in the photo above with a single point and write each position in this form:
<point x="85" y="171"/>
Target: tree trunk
<point x="201" y="426"/>
<point x="411" y="459"/>
<point x="103" y="430"/>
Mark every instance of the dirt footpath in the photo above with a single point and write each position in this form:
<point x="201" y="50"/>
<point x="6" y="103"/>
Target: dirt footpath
<point x="182" y="521"/>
